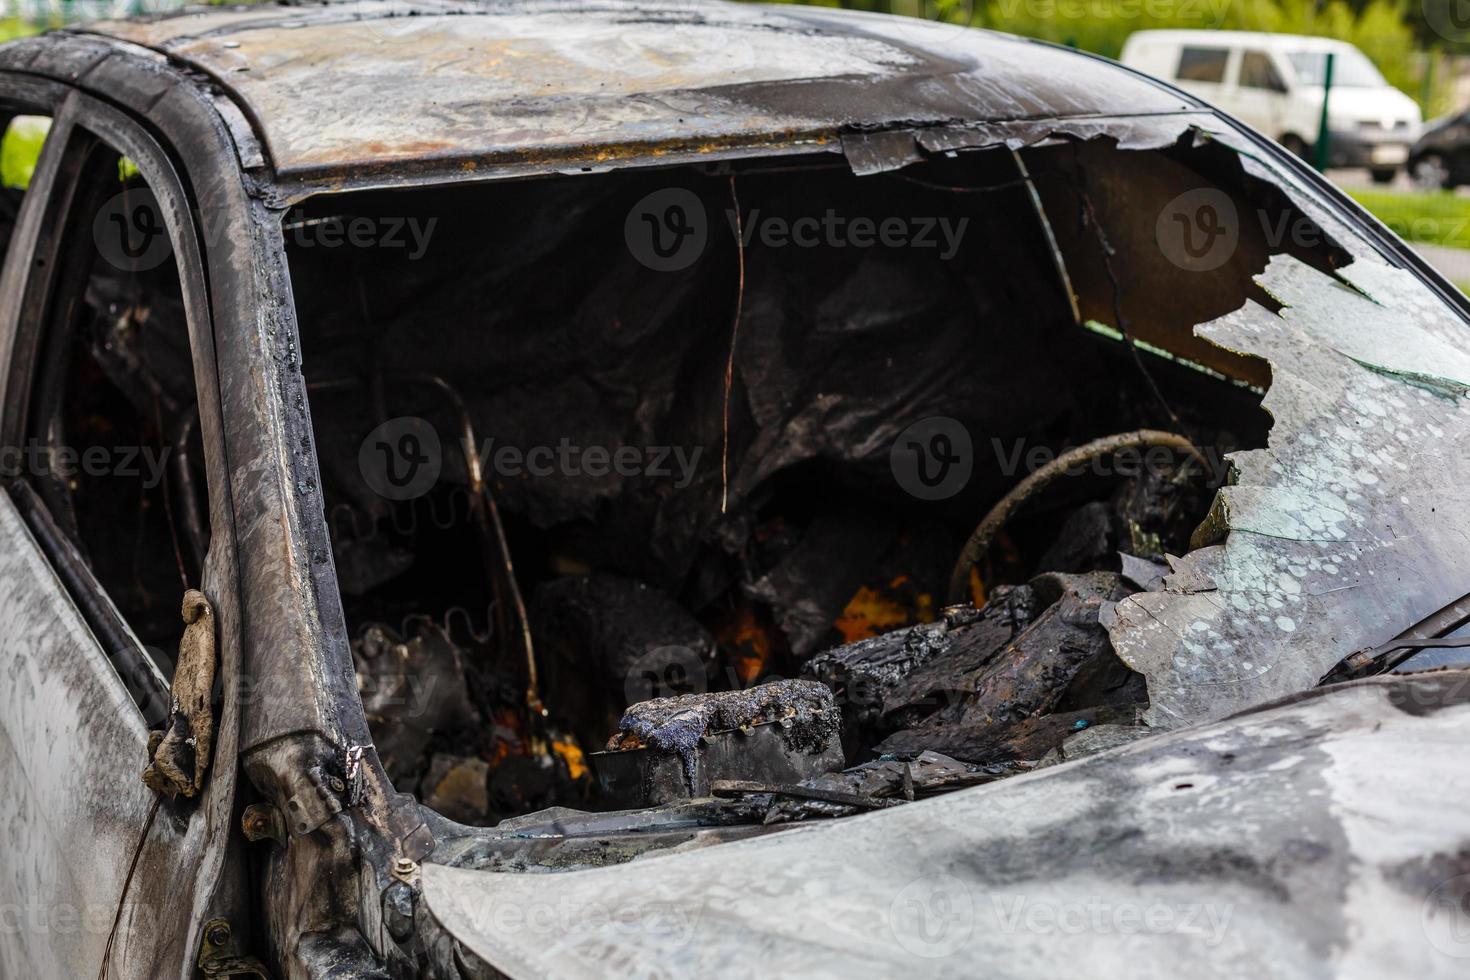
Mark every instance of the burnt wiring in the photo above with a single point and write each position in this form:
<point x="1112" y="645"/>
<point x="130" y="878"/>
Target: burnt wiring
<point x="486" y="516"/>
<point x="978" y="544"/>
<point x="168" y="505"/>
<point x="1088" y="218"/>
<point x="468" y="621"/>
<point x="348" y="522"/>
<point x="122" y="901"/>
<point x="952" y="189"/>
<point x="486" y="512"/>
<point x="730" y="360"/>
<point x="445" y="625"/>
<point x="196" y="527"/>
<point x="1058" y="260"/>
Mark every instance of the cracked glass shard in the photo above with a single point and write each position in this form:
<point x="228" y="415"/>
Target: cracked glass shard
<point x="1351" y="523"/>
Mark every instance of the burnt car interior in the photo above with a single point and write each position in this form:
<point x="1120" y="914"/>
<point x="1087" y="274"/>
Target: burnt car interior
<point x="520" y="628"/>
<point x="114" y="372"/>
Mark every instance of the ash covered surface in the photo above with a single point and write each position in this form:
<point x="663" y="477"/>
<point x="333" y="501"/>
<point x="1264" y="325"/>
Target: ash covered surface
<point x="871" y="672"/>
<point x="677" y="724"/>
<point x="1000" y="684"/>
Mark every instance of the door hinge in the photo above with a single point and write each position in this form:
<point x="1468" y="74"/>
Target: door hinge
<point x="218" y="956"/>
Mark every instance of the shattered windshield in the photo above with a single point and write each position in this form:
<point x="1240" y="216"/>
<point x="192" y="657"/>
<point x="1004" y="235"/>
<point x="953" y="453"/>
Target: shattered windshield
<point x="783" y="493"/>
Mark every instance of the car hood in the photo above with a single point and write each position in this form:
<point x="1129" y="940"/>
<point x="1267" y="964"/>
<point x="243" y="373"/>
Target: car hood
<point x="1379" y="106"/>
<point x="1166" y="855"/>
<point x="1438" y="123"/>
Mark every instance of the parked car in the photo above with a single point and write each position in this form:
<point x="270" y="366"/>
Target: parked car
<point x="1440" y="158"/>
<point x="987" y="510"/>
<point x="1274" y="83"/>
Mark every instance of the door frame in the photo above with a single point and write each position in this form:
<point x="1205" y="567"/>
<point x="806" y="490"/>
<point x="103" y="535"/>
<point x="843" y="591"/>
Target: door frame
<point x="187" y="866"/>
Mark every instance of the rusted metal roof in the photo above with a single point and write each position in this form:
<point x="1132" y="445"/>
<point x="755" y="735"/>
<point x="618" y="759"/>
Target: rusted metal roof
<point x="348" y="87"/>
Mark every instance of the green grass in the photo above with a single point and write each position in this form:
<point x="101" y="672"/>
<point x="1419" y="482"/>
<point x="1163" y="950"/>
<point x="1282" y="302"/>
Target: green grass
<point x="19" y="149"/>
<point x="1439" y="218"/>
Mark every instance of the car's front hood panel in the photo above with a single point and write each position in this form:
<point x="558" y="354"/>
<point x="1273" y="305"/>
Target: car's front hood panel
<point x="1325" y="835"/>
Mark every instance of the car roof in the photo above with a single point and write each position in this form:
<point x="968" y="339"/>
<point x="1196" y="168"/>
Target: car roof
<point x="335" y="88"/>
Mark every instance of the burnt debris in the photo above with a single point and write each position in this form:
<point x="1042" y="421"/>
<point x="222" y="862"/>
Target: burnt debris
<point x="784" y="730"/>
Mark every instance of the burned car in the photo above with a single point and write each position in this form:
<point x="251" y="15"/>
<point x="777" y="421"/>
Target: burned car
<point x="600" y="489"/>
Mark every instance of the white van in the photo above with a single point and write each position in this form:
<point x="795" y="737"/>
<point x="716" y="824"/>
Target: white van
<point x="1273" y="82"/>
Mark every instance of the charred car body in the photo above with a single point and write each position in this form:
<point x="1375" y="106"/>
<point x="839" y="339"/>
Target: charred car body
<point x="678" y="489"/>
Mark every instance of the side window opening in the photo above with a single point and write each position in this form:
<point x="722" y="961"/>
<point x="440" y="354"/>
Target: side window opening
<point x="1256" y="71"/>
<point x="112" y="437"/>
<point x="1202" y="64"/>
<point x="20" y="146"/>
